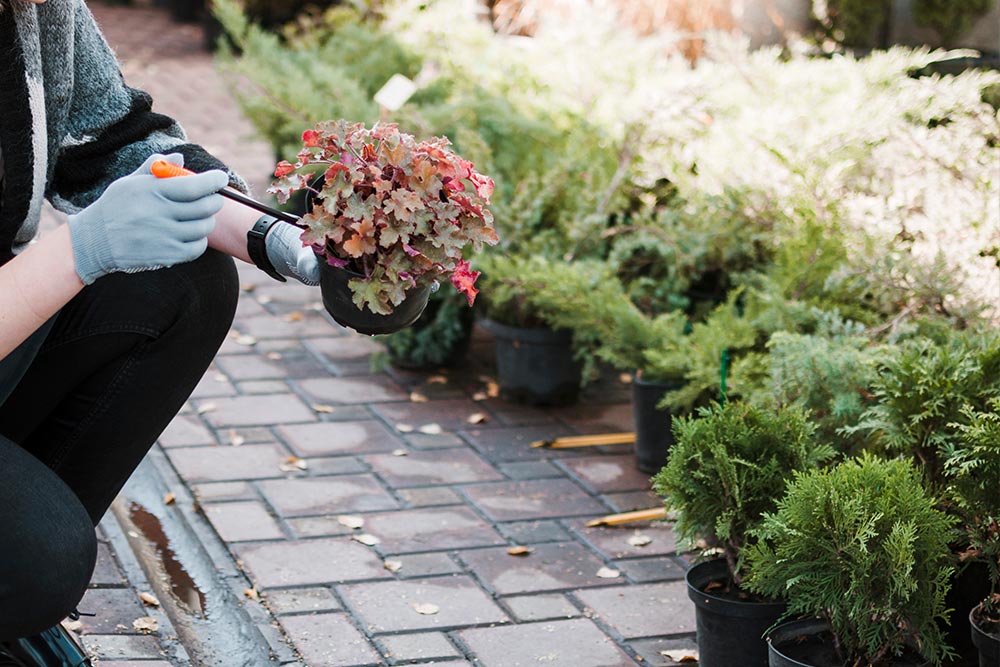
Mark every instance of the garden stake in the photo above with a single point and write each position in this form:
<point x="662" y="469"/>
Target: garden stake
<point x="164" y="169"/>
<point x="586" y="441"/>
<point x="722" y="375"/>
<point x="629" y="517"/>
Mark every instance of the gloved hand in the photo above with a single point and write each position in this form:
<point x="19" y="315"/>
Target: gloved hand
<point x="142" y="222"/>
<point x="288" y="257"/>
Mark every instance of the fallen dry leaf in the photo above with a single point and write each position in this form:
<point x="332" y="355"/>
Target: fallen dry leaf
<point x="219" y="377"/>
<point x="417" y="397"/>
<point x="681" y="655"/>
<point x="366" y="539"/>
<point x="316" y="306"/>
<point x="327" y="409"/>
<point x="639" y="540"/>
<point x="608" y="573"/>
<point x="235" y="439"/>
<point x="292" y="463"/>
<point x="206" y="407"/>
<point x="437" y="379"/>
<point x="393" y="565"/>
<point x="400" y="452"/>
<point x="252" y="593"/>
<point x="73" y="626"/>
<point x="519" y="551"/>
<point x="265" y="299"/>
<point x="405" y="428"/>
<point x="480" y="396"/>
<point x="478" y="418"/>
<point x="244" y="339"/>
<point x="294" y="316"/>
<point x="274" y="356"/>
<point x="492" y="389"/>
<point x="169" y="498"/>
<point x="149" y="599"/>
<point x="248" y="287"/>
<point x="431" y="429"/>
<point x="426" y="608"/>
<point x="351" y="520"/>
<point x="145" y="624"/>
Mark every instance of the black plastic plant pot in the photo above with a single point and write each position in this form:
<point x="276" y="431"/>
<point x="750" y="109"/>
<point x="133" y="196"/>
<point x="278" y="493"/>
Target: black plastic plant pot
<point x="730" y="632"/>
<point x="809" y="643"/>
<point x="338" y="301"/>
<point x="969" y="586"/>
<point x="653" y="434"/>
<point x="988" y="644"/>
<point x="535" y="366"/>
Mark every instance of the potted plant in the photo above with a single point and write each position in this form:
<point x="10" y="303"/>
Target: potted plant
<point x="389" y="218"/>
<point x="862" y="550"/>
<point x="972" y="469"/>
<point x="726" y="469"/>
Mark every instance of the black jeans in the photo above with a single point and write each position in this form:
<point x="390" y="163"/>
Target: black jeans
<point x="120" y="361"/>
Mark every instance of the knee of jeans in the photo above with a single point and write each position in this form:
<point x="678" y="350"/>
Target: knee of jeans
<point x="211" y="290"/>
<point x="40" y="588"/>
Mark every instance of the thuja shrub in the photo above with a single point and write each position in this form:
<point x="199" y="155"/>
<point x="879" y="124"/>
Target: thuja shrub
<point x="863" y="546"/>
<point x="728" y="467"/>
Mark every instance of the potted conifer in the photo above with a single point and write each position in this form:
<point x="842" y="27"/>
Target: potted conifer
<point x="389" y="217"/>
<point x="726" y="469"/>
<point x="862" y="551"/>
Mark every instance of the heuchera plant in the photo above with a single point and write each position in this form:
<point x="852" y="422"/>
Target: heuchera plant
<point x="396" y="211"/>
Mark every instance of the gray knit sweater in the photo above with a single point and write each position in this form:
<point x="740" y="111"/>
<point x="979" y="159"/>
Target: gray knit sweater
<point x="69" y="125"/>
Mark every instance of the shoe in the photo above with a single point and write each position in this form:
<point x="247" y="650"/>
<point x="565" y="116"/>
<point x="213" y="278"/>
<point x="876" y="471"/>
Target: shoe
<point x="54" y="647"/>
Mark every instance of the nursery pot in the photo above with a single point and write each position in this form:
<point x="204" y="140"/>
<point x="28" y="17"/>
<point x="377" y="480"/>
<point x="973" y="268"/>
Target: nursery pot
<point x="809" y="643"/>
<point x="338" y="301"/>
<point x="535" y="366"/>
<point x="653" y="434"/>
<point x="969" y="586"/>
<point x="730" y="632"/>
<point x="988" y="644"/>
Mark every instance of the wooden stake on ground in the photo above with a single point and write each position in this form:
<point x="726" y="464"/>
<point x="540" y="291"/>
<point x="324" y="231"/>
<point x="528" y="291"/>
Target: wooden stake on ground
<point x="586" y="441"/>
<point x="629" y="517"/>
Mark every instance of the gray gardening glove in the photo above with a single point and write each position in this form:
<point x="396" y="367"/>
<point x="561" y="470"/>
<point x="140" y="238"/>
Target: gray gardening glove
<point x="288" y="257"/>
<point x="142" y="222"/>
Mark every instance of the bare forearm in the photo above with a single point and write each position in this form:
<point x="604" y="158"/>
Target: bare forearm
<point x="34" y="286"/>
<point x="231" y="226"/>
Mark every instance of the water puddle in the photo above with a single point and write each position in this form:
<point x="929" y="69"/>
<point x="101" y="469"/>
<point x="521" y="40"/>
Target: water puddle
<point x="181" y="583"/>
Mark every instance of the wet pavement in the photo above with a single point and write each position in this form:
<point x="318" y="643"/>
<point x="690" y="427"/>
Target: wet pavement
<point x="367" y="517"/>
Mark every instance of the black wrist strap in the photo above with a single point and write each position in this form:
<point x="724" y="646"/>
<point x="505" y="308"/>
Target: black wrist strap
<point x="258" y="250"/>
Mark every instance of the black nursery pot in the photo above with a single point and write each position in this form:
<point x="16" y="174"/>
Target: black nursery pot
<point x="809" y="643"/>
<point x="969" y="586"/>
<point x="730" y="632"/>
<point x="535" y="366"/>
<point x="338" y="301"/>
<point x="653" y="434"/>
<point x="988" y="645"/>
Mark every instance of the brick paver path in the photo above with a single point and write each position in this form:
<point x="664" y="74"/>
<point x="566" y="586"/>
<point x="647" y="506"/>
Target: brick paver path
<point x="428" y="578"/>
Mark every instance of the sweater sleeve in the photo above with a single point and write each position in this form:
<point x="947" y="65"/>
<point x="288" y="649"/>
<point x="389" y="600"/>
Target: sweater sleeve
<point x="110" y="128"/>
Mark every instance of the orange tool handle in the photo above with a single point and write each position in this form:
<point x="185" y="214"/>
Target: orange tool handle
<point x="164" y="169"/>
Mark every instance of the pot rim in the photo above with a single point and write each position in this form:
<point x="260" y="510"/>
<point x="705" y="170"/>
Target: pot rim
<point x="714" y="570"/>
<point x="536" y="335"/>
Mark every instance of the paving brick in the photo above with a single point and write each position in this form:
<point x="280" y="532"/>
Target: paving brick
<point x="301" y="600"/>
<point x="607" y="474"/>
<point x="318" y="526"/>
<point x="436" y="441"/>
<point x="576" y="642"/>
<point x="514" y="444"/>
<point x="336" y="465"/>
<point x="451" y="414"/>
<point x="416" y="566"/>
<point x="530" y="470"/>
<point x="264" y="410"/>
<point x="351" y="346"/>
<point x="533" y="499"/>
<point x="106" y="571"/>
<point x="185" y="431"/>
<point x="513" y="414"/>
<point x="627" y="608"/>
<point x="250" y="367"/>
<point x="645" y="570"/>
<point x="327" y="495"/>
<point x="222" y="491"/>
<point x="250" y="387"/>
<point x="533" y="532"/>
<point x="444" y="467"/>
<point x="613" y="541"/>
<point x="337" y="438"/>
<point x="431" y="529"/>
<point x="389" y="606"/>
<point x="135" y="663"/>
<point x="243" y="521"/>
<point x="353" y="390"/>
<point x="429" y="497"/>
<point x="630" y="501"/>
<point x="113" y="607"/>
<point x="268" y="326"/>
<point x="122" y="647"/>
<point x="421" y="646"/>
<point x="329" y="640"/>
<point x="554" y="566"/>
<point x="529" y="608"/>
<point x="213" y="384"/>
<point x="308" y="562"/>
<point x="652" y="651"/>
<point x="227" y="463"/>
<point x="589" y="417"/>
